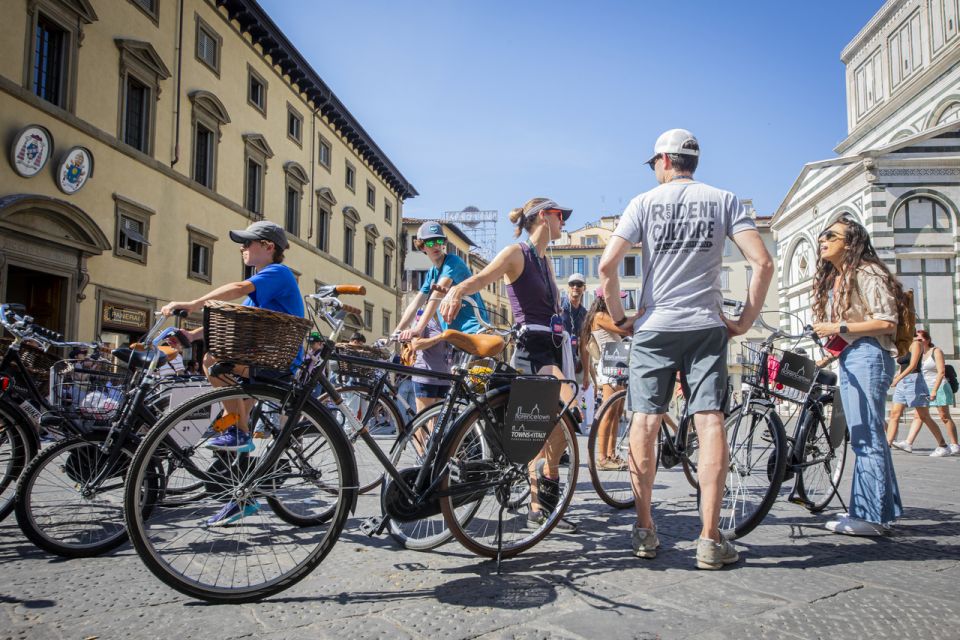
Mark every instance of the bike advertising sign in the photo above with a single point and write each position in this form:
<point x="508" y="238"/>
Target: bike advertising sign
<point x="531" y="416"/>
<point x="796" y="372"/>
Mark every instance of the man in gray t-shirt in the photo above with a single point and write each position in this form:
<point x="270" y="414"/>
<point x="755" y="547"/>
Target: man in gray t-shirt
<point x="682" y="226"/>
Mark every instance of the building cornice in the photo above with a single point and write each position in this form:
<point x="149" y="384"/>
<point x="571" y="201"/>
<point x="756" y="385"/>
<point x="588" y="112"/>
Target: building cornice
<point x="875" y="24"/>
<point x="255" y="22"/>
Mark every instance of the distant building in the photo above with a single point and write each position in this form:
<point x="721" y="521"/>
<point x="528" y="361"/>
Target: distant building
<point x="898" y="170"/>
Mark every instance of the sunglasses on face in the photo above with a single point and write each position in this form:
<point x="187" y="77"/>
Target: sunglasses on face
<point x="576" y="285"/>
<point x="435" y="242"/>
<point x="653" y="162"/>
<point x="246" y="243"/>
<point x="830" y="236"/>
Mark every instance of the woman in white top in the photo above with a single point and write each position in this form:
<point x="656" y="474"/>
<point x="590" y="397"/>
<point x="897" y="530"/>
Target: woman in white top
<point x="599" y="326"/>
<point x="933" y="369"/>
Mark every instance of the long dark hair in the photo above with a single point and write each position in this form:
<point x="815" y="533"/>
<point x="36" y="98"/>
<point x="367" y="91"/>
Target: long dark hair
<point x="858" y="252"/>
<point x="598" y="306"/>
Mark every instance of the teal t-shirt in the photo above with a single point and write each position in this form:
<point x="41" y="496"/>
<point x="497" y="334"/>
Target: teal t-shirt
<point x="458" y="271"/>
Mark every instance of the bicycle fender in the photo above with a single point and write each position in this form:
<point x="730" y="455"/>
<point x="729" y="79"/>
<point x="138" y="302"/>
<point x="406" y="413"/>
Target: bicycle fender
<point x="33" y="442"/>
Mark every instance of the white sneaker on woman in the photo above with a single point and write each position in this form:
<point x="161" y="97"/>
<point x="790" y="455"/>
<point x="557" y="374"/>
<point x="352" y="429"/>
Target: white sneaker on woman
<point x="940" y="452"/>
<point x="856" y="527"/>
<point x="955" y="449"/>
<point x="903" y="445"/>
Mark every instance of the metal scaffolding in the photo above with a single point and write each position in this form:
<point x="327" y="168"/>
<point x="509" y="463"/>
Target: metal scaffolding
<point x="481" y="226"/>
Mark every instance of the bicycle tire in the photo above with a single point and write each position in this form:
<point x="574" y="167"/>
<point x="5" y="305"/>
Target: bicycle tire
<point x="426" y="533"/>
<point x="613" y="486"/>
<point x="479" y="532"/>
<point x="256" y="538"/>
<point x="758" y="458"/>
<point x="17" y="447"/>
<point x="817" y="484"/>
<point x="56" y="524"/>
<point x="369" y="469"/>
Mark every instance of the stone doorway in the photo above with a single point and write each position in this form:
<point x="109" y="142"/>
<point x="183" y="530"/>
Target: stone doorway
<point x="43" y="294"/>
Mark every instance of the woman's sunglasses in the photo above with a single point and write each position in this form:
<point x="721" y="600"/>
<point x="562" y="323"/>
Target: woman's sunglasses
<point x="830" y="236"/>
<point x="435" y="242"/>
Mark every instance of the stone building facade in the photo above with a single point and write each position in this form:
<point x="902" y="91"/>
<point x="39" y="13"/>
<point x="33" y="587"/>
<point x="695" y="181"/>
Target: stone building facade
<point x="898" y="170"/>
<point x="142" y="131"/>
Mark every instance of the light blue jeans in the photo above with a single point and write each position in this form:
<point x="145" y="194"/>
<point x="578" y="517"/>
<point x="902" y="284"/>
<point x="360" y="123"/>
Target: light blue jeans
<point x="866" y="371"/>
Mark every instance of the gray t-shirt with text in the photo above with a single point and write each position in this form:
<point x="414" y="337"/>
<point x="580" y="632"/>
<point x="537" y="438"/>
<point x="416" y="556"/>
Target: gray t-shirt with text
<point x="682" y="227"/>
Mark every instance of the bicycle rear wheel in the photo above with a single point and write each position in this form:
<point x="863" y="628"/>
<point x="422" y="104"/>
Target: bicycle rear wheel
<point x="226" y="546"/>
<point x="823" y="465"/>
<point x="758" y="457"/>
<point x="64" y="510"/>
<point x="17" y="447"/>
<point x="611" y="480"/>
<point x="510" y="494"/>
<point x="408" y="456"/>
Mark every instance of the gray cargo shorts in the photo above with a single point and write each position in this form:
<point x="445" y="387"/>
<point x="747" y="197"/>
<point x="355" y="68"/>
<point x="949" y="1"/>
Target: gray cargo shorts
<point x="699" y="356"/>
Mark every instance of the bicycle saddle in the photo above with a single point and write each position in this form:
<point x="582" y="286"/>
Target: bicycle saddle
<point x="140" y="359"/>
<point x="826" y="378"/>
<point x="476" y="344"/>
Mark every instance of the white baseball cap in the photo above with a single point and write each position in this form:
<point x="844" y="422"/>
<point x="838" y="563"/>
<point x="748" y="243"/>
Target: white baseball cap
<point x="673" y="141"/>
<point x="576" y="277"/>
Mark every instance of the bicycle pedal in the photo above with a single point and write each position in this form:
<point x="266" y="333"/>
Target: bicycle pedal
<point x="373" y="525"/>
<point x="224" y="422"/>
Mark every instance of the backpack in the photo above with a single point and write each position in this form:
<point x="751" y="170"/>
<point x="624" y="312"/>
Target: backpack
<point x="906" y="323"/>
<point x="951" y="375"/>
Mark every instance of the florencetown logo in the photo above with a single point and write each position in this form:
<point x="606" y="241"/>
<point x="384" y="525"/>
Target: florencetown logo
<point x="799" y="377"/>
<point x="521" y="432"/>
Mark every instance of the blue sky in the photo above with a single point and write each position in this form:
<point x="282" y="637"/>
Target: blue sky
<point x="492" y="103"/>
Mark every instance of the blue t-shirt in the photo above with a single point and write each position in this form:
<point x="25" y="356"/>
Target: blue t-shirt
<point x="276" y="289"/>
<point x="458" y="271"/>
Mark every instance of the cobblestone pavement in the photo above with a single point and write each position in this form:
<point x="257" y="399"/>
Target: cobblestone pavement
<point x="795" y="580"/>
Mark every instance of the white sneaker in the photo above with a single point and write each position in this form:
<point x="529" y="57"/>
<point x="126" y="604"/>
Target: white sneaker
<point x="940" y="452"/>
<point x="856" y="527"/>
<point x="955" y="449"/>
<point x="903" y="445"/>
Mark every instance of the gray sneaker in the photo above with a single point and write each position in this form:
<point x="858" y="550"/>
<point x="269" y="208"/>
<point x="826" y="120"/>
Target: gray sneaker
<point x="645" y="542"/>
<point x="711" y="555"/>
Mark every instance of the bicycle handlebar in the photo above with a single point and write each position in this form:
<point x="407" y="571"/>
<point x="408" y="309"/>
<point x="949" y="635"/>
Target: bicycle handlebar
<point x="737" y="307"/>
<point x="350" y="289"/>
<point x="24" y="327"/>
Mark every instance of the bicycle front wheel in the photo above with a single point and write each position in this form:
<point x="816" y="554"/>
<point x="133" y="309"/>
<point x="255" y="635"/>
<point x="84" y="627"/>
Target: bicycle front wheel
<point x="227" y="546"/>
<point x="758" y="457"/>
<point x="16" y="450"/>
<point x="487" y="498"/>
<point x="608" y="450"/>
<point x="821" y="464"/>
<point x="385" y="424"/>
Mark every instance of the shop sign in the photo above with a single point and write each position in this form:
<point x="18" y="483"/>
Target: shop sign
<point x="75" y="169"/>
<point x="117" y="315"/>
<point x="30" y="151"/>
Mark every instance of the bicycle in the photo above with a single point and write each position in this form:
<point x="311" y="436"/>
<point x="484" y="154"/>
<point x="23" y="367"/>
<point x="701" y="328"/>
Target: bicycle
<point x="305" y="472"/>
<point x="23" y="368"/>
<point x="69" y="497"/>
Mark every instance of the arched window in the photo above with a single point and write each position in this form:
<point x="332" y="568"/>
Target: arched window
<point x="801" y="263"/>
<point x="951" y="113"/>
<point x="922" y="214"/>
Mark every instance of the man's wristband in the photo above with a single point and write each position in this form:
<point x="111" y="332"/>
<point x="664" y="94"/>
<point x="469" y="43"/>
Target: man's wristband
<point x="622" y="321"/>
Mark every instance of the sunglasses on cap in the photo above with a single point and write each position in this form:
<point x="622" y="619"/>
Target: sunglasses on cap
<point x="435" y="242"/>
<point x="830" y="236"/>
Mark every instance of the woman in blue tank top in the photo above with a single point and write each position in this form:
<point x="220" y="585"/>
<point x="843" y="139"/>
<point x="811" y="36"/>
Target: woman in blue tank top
<point x="543" y="346"/>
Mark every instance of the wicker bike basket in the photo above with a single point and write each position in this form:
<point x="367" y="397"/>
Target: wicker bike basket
<point x="252" y="336"/>
<point x="356" y="371"/>
<point x="37" y="361"/>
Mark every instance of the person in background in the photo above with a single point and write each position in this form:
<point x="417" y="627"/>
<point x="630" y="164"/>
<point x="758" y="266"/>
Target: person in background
<point x="911" y="390"/>
<point x="855" y="301"/>
<point x="941" y="395"/>
<point x="358" y="339"/>
<point x="448" y="269"/>
<point x="599" y="327"/>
